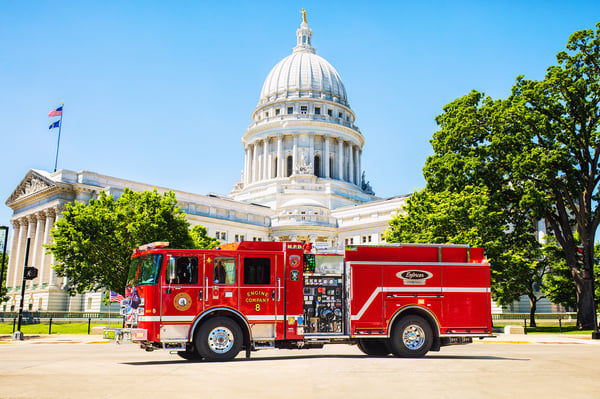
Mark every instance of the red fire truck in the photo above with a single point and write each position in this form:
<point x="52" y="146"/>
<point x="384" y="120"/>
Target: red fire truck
<point x="404" y="299"/>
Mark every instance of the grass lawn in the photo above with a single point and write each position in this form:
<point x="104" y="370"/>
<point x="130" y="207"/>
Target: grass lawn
<point x="547" y="327"/>
<point x="57" y="328"/>
<point x="556" y="330"/>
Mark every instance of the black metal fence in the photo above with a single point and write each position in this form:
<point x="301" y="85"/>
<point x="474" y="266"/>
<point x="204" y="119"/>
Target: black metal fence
<point x="37" y="315"/>
<point x="50" y="322"/>
<point x="566" y="316"/>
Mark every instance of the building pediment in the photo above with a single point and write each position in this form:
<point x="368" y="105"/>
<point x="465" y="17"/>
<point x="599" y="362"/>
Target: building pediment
<point x="33" y="183"/>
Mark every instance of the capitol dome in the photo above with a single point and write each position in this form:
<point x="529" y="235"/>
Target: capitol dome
<point x="302" y="150"/>
<point x="303" y="74"/>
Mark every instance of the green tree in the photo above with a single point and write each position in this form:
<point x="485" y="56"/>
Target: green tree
<point x="201" y="240"/>
<point x="537" y="155"/>
<point x="555" y="123"/>
<point x="92" y="243"/>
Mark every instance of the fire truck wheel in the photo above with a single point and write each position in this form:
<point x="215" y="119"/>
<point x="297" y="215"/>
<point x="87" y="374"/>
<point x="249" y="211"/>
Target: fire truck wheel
<point x="373" y="347"/>
<point x="219" y="339"/>
<point x="412" y="337"/>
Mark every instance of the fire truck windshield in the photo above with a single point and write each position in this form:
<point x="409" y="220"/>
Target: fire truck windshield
<point x="144" y="270"/>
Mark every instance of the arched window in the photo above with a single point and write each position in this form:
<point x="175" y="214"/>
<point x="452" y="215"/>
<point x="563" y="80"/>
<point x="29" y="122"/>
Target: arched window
<point x="275" y="168"/>
<point x="290" y="165"/>
<point x="317" y="166"/>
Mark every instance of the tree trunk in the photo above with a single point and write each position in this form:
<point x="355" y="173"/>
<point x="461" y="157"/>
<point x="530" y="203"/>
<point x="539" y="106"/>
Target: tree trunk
<point x="585" y="300"/>
<point x="532" y="309"/>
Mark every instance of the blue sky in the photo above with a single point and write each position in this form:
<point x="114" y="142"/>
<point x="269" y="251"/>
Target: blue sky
<point x="161" y="92"/>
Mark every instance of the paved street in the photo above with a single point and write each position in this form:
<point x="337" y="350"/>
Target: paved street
<point x="84" y="367"/>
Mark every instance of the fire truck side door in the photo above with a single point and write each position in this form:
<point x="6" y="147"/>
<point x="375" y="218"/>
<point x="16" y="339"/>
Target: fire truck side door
<point x="181" y="295"/>
<point x="260" y="293"/>
<point x="221" y="280"/>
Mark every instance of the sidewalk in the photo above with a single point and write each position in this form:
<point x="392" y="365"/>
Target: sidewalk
<point x="540" y="339"/>
<point x="498" y="338"/>
<point x="54" y="339"/>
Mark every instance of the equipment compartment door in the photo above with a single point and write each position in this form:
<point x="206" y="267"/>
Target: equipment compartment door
<point x="260" y="292"/>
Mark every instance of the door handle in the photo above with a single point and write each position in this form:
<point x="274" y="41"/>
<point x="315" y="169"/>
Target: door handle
<point x="273" y="294"/>
<point x="200" y="296"/>
<point x="278" y="289"/>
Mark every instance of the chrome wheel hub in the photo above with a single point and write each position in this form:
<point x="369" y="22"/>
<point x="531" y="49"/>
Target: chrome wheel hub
<point x="413" y="337"/>
<point x="220" y="340"/>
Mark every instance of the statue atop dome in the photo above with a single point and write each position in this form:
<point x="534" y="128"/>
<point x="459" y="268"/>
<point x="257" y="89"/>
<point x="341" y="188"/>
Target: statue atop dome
<point x="304" y="16"/>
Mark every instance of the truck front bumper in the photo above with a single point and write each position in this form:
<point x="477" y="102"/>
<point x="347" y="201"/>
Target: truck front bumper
<point x="133" y="335"/>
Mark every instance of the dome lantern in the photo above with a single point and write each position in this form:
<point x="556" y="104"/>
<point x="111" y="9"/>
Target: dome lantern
<point x="304" y="35"/>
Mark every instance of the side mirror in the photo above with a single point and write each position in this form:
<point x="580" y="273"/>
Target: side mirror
<point x="171" y="269"/>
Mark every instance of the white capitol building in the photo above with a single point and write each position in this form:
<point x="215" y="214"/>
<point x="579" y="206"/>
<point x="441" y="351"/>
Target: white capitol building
<point x="302" y="181"/>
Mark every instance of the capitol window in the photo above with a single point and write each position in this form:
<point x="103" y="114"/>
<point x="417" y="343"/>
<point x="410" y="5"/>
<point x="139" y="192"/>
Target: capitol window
<point x="221" y="235"/>
<point x="266" y="114"/>
<point x="276" y="111"/>
<point x="303" y="109"/>
<point x="329" y="112"/>
<point x="290" y="110"/>
<point x="317" y="110"/>
<point x="290" y="165"/>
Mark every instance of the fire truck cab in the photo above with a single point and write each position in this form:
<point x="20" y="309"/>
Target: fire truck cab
<point x="404" y="299"/>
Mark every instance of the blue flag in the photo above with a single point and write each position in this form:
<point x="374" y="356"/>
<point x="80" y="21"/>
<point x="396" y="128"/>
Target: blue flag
<point x="53" y="125"/>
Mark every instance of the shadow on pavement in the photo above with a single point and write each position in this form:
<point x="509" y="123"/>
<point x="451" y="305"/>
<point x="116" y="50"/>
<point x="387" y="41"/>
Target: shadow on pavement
<point x="309" y="357"/>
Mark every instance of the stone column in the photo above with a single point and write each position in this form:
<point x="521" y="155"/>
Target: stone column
<point x="247" y="166"/>
<point x="31" y="234"/>
<point x="280" y="162"/>
<point x="295" y="154"/>
<point x="326" y="157"/>
<point x="20" y="258"/>
<point x="266" y="171"/>
<point x="311" y="151"/>
<point x="254" y="163"/>
<point x="351" y="163"/>
<point x="37" y="246"/>
<point x="12" y="261"/>
<point x="47" y="274"/>
<point x="358" y="167"/>
<point x="259" y="162"/>
<point x="340" y="159"/>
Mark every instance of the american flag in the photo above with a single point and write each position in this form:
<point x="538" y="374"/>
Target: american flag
<point x="116" y="297"/>
<point x="56" y="112"/>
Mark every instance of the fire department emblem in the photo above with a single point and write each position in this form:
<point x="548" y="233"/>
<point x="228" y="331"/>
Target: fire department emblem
<point x="294" y="260"/>
<point x="182" y="301"/>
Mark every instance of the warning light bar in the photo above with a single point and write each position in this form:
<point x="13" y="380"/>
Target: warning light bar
<point x="153" y="245"/>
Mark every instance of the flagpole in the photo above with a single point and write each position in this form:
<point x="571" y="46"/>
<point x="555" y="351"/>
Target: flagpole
<point x="59" y="129"/>
<point x="109" y="313"/>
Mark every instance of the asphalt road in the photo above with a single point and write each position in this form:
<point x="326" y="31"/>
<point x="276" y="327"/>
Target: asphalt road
<point x="74" y="368"/>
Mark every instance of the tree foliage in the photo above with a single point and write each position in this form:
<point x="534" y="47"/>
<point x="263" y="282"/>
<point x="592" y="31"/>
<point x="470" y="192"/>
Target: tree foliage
<point x="201" y="240"/>
<point x="535" y="157"/>
<point x="92" y="243"/>
<point x="3" y="290"/>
